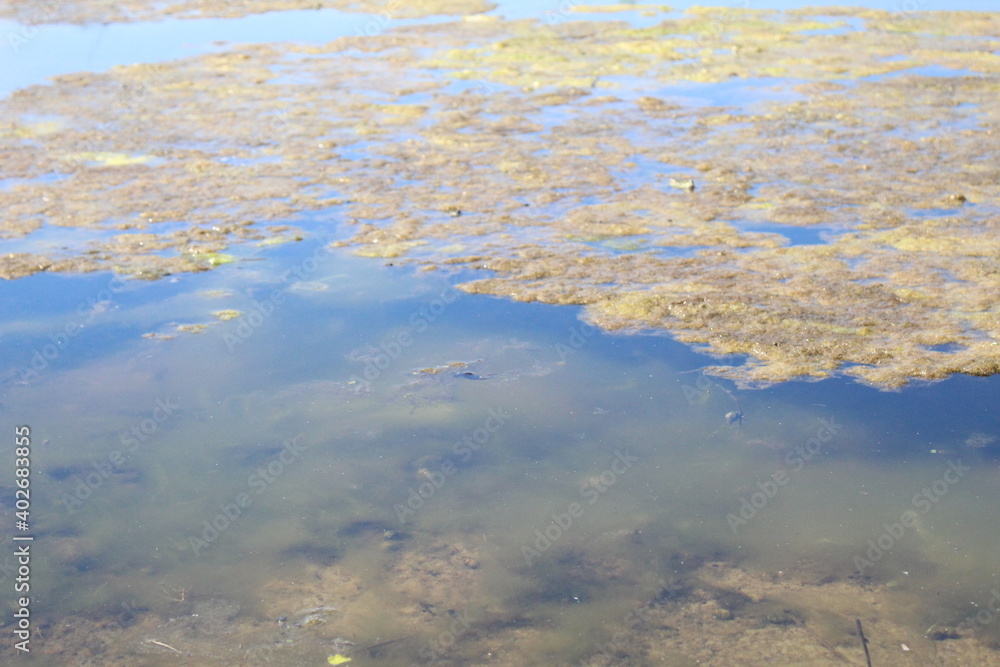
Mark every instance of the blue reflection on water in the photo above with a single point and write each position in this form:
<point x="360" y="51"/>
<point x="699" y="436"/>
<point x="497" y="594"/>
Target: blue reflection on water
<point x="50" y="50"/>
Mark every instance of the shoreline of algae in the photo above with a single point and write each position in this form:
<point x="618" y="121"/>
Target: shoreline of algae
<point x="578" y="164"/>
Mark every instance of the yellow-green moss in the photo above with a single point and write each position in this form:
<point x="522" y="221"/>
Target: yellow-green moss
<point x="560" y="191"/>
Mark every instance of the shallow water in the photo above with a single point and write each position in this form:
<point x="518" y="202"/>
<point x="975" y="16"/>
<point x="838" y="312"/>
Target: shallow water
<point x="368" y="462"/>
<point x="539" y="492"/>
<point x="56" y="49"/>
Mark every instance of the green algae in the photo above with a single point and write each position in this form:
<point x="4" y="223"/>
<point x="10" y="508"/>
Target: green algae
<point x="213" y="259"/>
<point x="192" y="328"/>
<point x="105" y="159"/>
<point x="226" y="315"/>
<point x="387" y="250"/>
<point x="501" y="174"/>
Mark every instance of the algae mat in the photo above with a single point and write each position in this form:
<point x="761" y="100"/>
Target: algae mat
<point x="657" y="176"/>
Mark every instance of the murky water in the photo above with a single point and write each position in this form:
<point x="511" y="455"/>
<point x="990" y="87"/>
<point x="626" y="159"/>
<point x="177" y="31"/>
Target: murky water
<point x="420" y="459"/>
<point x="368" y="463"/>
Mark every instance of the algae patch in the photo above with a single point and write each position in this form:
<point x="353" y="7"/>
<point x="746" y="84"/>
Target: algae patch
<point x="576" y="162"/>
<point x="226" y="315"/>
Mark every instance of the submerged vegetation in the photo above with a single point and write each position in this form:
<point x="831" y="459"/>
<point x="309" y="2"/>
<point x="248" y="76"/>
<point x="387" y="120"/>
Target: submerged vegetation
<point x="656" y="176"/>
<point x="814" y="191"/>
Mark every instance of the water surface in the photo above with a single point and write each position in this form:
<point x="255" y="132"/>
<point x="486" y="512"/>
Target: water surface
<point x="367" y="462"/>
<point x="412" y="457"/>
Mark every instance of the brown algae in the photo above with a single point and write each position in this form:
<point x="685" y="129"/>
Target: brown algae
<point x="485" y="144"/>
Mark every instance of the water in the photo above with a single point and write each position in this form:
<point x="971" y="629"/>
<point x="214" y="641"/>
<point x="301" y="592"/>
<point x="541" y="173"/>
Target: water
<point x="371" y="463"/>
<point x="49" y="50"/>
<point x="301" y="459"/>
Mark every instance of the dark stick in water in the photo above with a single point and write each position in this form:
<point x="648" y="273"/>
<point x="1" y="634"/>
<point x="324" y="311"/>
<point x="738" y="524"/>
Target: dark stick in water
<point x="381" y="644"/>
<point x="864" y="642"/>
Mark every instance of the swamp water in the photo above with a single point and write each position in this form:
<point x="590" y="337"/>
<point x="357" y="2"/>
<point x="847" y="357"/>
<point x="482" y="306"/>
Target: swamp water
<point x="289" y="454"/>
<point x="475" y="482"/>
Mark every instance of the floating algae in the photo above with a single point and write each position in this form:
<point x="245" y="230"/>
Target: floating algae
<point x="226" y="315"/>
<point x="515" y="129"/>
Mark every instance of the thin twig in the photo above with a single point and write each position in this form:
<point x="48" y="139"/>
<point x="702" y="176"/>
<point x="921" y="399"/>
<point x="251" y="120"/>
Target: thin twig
<point x="153" y="641"/>
<point x="386" y="643"/>
<point x="864" y="642"/>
